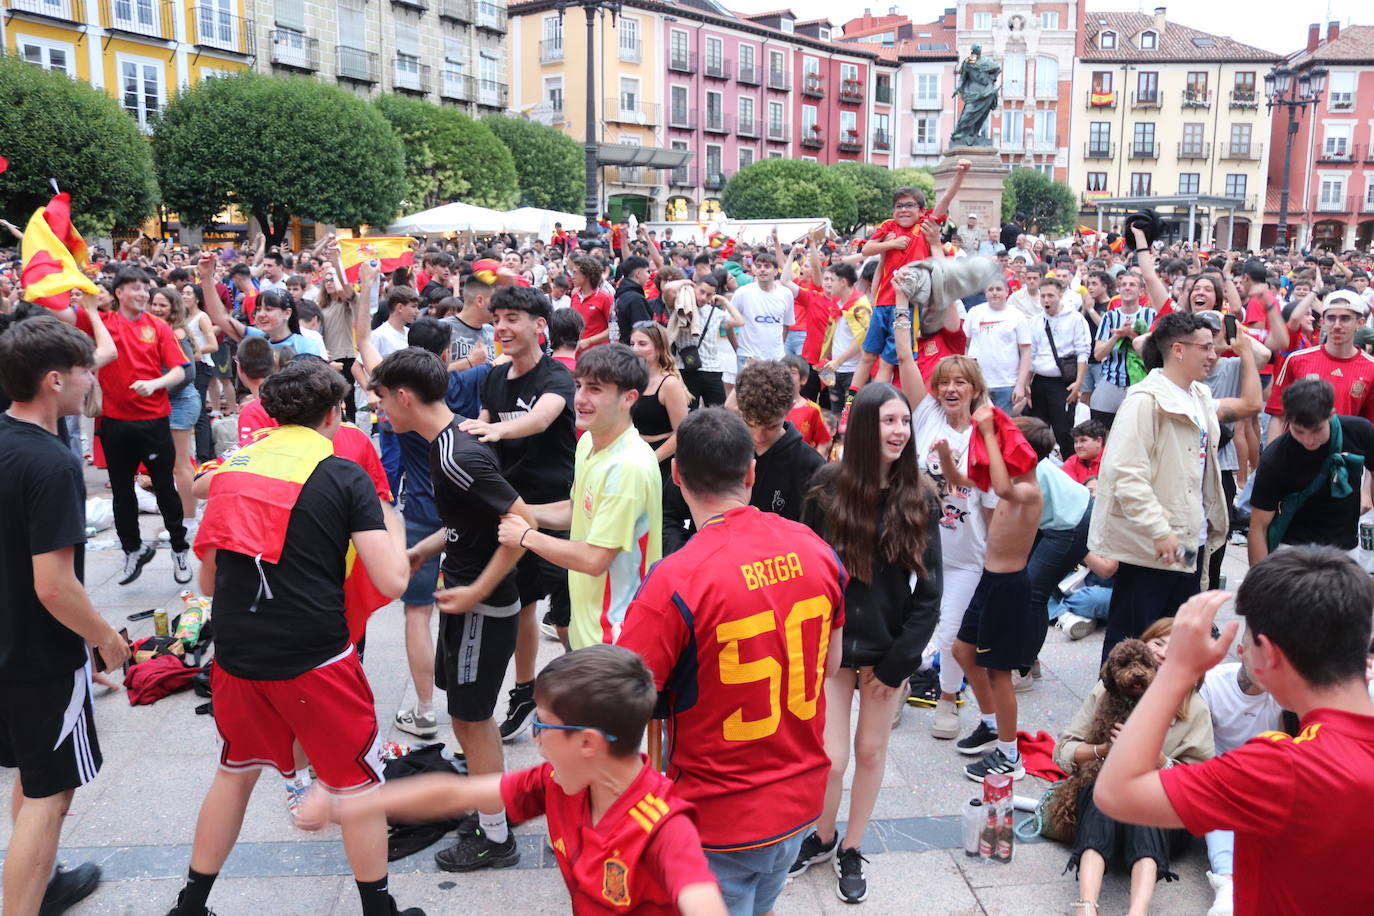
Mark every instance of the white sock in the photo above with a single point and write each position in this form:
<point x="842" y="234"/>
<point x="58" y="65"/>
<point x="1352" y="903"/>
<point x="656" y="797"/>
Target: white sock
<point x="494" y="825"/>
<point x="424" y="709"/>
<point x="300" y="780"/>
<point x="1009" y="750"/>
<point x="990" y="721"/>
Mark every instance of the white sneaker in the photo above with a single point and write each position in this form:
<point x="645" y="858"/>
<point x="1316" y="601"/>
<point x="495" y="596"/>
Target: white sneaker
<point x="945" y="725"/>
<point x="1021" y="683"/>
<point x="1076" y="627"/>
<point x="549" y="630"/>
<point x="1222" y="888"/>
<point x="181" y="566"/>
<point x="414" y="723"/>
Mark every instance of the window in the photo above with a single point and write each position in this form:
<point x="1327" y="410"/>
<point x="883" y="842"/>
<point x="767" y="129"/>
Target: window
<point x="1107" y="41"/>
<point x="746" y="157"/>
<point x="777" y="154"/>
<point x="713" y="161"/>
<point x="1102" y="81"/>
<point x="1240" y="139"/>
<point x="1368" y="195"/>
<point x="1195" y="91"/>
<point x="746" y="59"/>
<point x="982" y="21"/>
<point x="776" y="128"/>
<point x="926" y="133"/>
<point x="678" y="55"/>
<point x="553" y="33"/>
<point x="849" y="73"/>
<point x="1235" y="186"/>
<point x="1192" y="139"/>
<point x="808" y="119"/>
<point x="823" y="33"/>
<point x="1049" y="20"/>
<point x="1144" y="140"/>
<point x="1046" y="77"/>
<point x="456" y="57"/>
<point x="408" y="41"/>
<point x="140" y="87"/>
<point x="1045" y="129"/>
<point x="50" y="55"/>
<point x="715" y="111"/>
<point x="928" y="88"/>
<point x="629" y="96"/>
<point x="553" y="93"/>
<point x="1341" y="91"/>
<point x="1100" y="139"/>
<point x="1332" y="197"/>
<point x="1147" y="87"/>
<point x="882" y="130"/>
<point x="290" y="14"/>
<point x="1336" y="145"/>
<point x="1013" y="128"/>
<point x="214" y="24"/>
<point x="1245" y="83"/>
<point x="1140" y="184"/>
<point x="746" y="111"/>
<point x="715" y="55"/>
<point x="786" y="25"/>
<point x="677" y="106"/>
<point x="1149" y="40"/>
<point x="1189" y="182"/>
<point x="777" y="74"/>
<point x="1097" y="181"/>
<point x="629" y="39"/>
<point x="1014" y="76"/>
<point x="849" y="123"/>
<point x="353" y="35"/>
<point x="882" y="89"/>
<point x="811" y="66"/>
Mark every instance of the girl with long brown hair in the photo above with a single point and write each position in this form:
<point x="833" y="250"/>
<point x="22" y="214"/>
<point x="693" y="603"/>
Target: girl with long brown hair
<point x="656" y="415"/>
<point x="880" y="514"/>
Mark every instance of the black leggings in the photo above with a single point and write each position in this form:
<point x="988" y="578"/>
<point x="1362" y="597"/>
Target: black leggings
<point x="127" y="444"/>
<point x="204" y="440"/>
<point x="350" y="400"/>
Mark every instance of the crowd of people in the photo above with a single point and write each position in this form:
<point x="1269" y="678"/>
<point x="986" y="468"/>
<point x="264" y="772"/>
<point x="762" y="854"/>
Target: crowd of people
<point x="766" y="498"/>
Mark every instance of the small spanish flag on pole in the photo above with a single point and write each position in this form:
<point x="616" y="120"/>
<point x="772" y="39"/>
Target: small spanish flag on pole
<point x="54" y="254"/>
<point x="390" y="252"/>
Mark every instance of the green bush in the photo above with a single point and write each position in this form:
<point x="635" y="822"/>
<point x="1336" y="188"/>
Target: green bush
<point x="790" y="189"/>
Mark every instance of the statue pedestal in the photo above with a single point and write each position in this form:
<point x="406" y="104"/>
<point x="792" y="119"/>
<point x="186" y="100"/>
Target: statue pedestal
<point x="981" y="192"/>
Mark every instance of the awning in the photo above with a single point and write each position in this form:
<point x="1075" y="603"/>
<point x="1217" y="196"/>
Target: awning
<point x="651" y="157"/>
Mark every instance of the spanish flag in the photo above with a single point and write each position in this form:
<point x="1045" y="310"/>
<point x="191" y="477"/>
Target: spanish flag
<point x="390" y="252"/>
<point x="251" y="498"/>
<point x="1101" y="99"/>
<point x="54" y="254"/>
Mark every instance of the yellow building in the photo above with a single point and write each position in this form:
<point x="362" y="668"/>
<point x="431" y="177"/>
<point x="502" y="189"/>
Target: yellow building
<point x="1165" y="111"/>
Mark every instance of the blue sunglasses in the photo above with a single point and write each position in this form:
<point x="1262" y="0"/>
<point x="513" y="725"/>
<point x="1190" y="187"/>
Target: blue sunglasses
<point x="539" y="726"/>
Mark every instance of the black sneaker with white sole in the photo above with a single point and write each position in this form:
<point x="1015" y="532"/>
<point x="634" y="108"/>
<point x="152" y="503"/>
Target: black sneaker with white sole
<point x="134" y="563"/>
<point x="67" y="888"/>
<point x="852" y="886"/>
<point x="812" y="851"/>
<point x="994" y="761"/>
<point x="474" y="851"/>
<point x="520" y="711"/>
<point x="980" y="740"/>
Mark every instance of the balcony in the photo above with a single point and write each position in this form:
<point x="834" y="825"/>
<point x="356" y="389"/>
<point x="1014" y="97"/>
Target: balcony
<point x="1190" y="151"/>
<point x="550" y="50"/>
<point x="408" y="76"/>
<point x="1014" y="90"/>
<point x="146" y="19"/>
<point x="1042" y="145"/>
<point x="420" y="5"/>
<point x="1047" y="91"/>
<point x="714" y="181"/>
<point x="491" y="16"/>
<point x="682" y="118"/>
<point x="1244" y="100"/>
<point x="1099" y="150"/>
<point x="457" y="10"/>
<point x="717" y="68"/>
<point x="682" y="62"/>
<point x="456" y="86"/>
<point x="684" y="177"/>
<point x="1342" y="154"/>
<point x="631" y="50"/>
<point x="491" y="94"/>
<point x="62" y="10"/>
<point x="749" y="75"/>
<point x="747" y="127"/>
<point x="294" y="50"/>
<point x="356" y="64"/>
<point x="630" y="111"/>
<point x="1144" y="151"/>
<point x="813" y="86"/>
<point x="777" y="132"/>
<point x="1340" y="101"/>
<point x="716" y="122"/>
<point x="813" y="138"/>
<point x="1367" y="204"/>
<point x="1147" y="100"/>
<point x="926" y="103"/>
<point x="1090" y="198"/>
<point x="1098" y="101"/>
<point x="779" y="81"/>
<point x="214" y="28"/>
<point x="925" y="148"/>
<point x="882" y="141"/>
<point x="1242" y="151"/>
<point x="850" y="142"/>
<point x="882" y="93"/>
<point x="1327" y="204"/>
<point x="851" y="92"/>
<point x="1197" y="98"/>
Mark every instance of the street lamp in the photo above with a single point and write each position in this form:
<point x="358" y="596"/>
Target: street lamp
<point x="591" y="204"/>
<point x="1281" y="89"/>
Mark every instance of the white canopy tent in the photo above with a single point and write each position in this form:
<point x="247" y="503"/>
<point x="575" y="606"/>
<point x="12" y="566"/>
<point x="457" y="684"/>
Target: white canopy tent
<point x="534" y="221"/>
<point x="749" y="231"/>
<point x="454" y="217"/>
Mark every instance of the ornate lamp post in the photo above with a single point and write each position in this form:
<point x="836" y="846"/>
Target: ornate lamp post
<point x="590" y="7"/>
<point x="1282" y="90"/>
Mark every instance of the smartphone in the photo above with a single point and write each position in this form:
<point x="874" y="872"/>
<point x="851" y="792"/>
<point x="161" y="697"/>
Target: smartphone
<point x="1229" y="323"/>
<point x="100" y="662"/>
<point x="142" y="615"/>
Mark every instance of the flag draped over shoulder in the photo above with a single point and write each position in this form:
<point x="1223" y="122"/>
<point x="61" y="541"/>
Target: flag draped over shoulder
<point x="390" y="252"/>
<point x="1017" y="453"/>
<point x="54" y="254"/>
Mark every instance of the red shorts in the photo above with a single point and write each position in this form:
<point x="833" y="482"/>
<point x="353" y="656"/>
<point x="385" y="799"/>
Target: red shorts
<point x="329" y="710"/>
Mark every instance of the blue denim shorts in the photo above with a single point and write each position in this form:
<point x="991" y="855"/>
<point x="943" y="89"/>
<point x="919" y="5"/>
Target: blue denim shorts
<point x="186" y="408"/>
<point x="420" y="589"/>
<point x="751" y="879"/>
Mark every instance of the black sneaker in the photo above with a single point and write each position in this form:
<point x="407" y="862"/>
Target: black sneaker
<point x="67" y="888"/>
<point x="849" y="868"/>
<point x="996" y="762"/>
<point x="812" y="851"/>
<point x="519" y="713"/>
<point x="475" y="851"/>
<point x="925" y="689"/>
<point x="134" y="563"/>
<point x="980" y="740"/>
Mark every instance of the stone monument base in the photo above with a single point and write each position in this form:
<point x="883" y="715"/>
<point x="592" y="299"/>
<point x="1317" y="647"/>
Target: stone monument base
<point x="981" y="192"/>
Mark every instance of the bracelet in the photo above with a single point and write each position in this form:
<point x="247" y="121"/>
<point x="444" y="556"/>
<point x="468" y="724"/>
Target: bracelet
<point x="522" y="537"/>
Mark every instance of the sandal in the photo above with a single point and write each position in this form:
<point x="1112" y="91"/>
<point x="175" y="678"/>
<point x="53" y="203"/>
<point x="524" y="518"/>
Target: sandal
<point x="1080" y="906"/>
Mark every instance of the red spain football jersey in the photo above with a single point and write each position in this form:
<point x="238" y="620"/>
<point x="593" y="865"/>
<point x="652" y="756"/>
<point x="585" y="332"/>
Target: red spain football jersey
<point x="1353" y="379"/>
<point x="916" y="250"/>
<point x="636" y="859"/>
<point x="736" y="627"/>
<point x="147" y="349"/>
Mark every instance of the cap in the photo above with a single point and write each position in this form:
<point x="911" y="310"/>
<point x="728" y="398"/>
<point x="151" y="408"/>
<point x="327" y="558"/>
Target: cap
<point x="1346" y="299"/>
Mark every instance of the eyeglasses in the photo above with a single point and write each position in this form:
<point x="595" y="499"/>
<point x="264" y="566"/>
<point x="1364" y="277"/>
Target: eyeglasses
<point x="1201" y="346"/>
<point x="539" y="725"/>
<point x="906" y="205"/>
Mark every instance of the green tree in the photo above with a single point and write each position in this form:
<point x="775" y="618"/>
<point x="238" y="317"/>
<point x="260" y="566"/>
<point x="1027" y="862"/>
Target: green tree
<point x="1047" y="203"/>
<point x="280" y="147"/>
<point x="56" y="127"/>
<point x="789" y="189"/>
<point x="915" y="178"/>
<point x="550" y="165"/>
<point x="449" y="156"/>
<point x="872" y="186"/>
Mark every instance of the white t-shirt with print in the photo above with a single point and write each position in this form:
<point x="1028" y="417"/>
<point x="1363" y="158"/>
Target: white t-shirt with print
<point x="963" y="524"/>
<point x="994" y="340"/>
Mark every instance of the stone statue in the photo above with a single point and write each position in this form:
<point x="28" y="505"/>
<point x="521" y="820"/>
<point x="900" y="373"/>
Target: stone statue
<point x="977" y="86"/>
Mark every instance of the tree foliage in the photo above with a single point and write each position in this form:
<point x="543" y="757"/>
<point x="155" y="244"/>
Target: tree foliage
<point x="56" y="127"/>
<point x="449" y="156"/>
<point x="551" y="166"/>
<point x="1046" y="203"/>
<point x="790" y="189"/>
<point x="872" y="186"/>
<point x="915" y="178"/>
<point x="280" y="147"/>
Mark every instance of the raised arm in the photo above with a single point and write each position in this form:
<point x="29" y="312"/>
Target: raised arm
<point x="105" y="350"/>
<point x="960" y="170"/>
<point x="910" y="373"/>
<point x="214" y="307"/>
<point x="1145" y="258"/>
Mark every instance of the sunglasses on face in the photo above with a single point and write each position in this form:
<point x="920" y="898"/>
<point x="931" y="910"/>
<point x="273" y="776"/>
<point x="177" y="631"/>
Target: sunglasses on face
<point x="539" y="725"/>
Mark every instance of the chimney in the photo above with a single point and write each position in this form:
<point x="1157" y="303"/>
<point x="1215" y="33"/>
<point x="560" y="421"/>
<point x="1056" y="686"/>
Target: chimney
<point x="1314" y="37"/>
<point x="892" y="11"/>
<point x="1333" y="31"/>
<point x="1159" y="20"/>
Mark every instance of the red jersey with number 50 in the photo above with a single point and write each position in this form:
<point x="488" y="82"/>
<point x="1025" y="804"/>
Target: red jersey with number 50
<point x="736" y="627"/>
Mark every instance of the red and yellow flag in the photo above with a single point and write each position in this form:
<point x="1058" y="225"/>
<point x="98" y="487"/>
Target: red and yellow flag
<point x="1101" y="99"/>
<point x="54" y="254"/>
<point x="389" y="253"/>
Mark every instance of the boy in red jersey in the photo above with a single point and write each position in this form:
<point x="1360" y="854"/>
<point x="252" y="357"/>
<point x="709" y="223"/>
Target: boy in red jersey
<point x="635" y="850"/>
<point x="744" y="737"/>
<point x="1349" y="369"/>
<point x="1297" y="805"/>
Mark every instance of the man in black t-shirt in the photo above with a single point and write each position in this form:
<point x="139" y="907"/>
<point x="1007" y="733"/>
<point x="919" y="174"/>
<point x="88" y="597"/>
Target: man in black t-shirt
<point x="480" y="600"/>
<point x="285" y="669"/>
<point x="1330" y="516"/>
<point x="47" y="725"/>
<point x="527" y="412"/>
